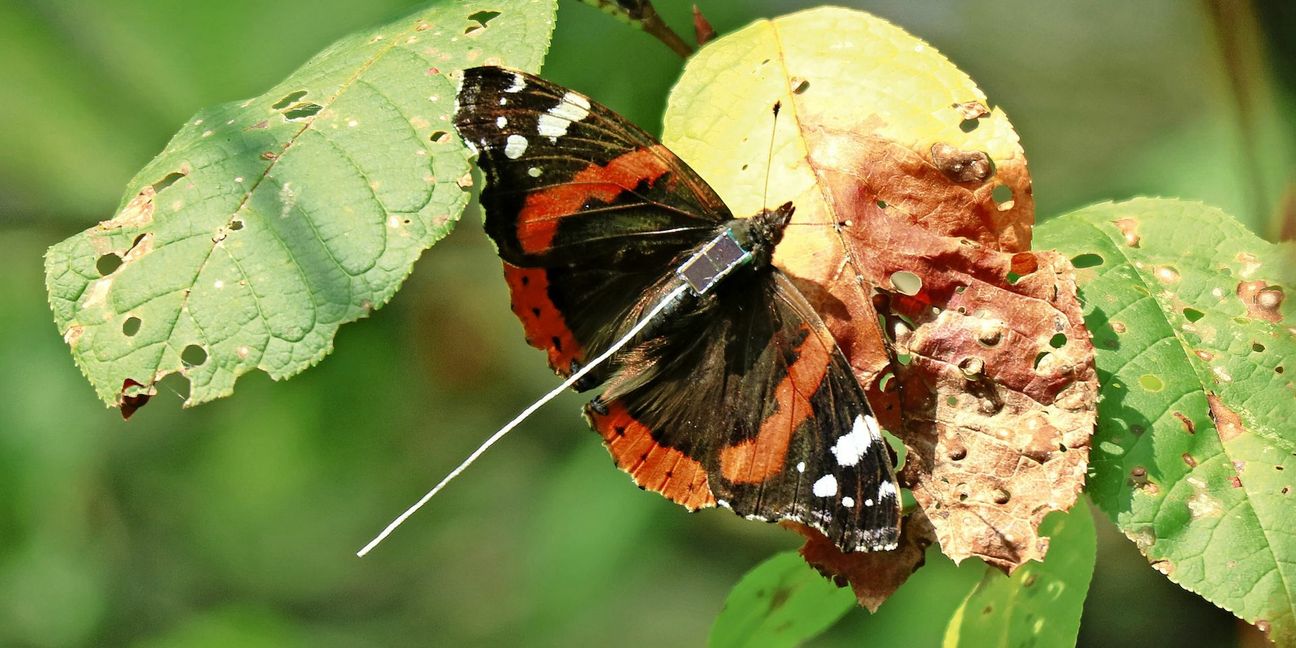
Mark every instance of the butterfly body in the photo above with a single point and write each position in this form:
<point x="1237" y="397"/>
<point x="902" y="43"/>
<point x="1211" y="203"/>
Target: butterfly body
<point x="735" y="394"/>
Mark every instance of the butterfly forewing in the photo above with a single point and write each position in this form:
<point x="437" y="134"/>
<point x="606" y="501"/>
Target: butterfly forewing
<point x="585" y="208"/>
<point x="569" y="180"/>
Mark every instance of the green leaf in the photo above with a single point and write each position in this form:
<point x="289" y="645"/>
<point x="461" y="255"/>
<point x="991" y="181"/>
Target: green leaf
<point x="1195" y="455"/>
<point x="1040" y="604"/>
<point x="782" y="602"/>
<point x="266" y="224"/>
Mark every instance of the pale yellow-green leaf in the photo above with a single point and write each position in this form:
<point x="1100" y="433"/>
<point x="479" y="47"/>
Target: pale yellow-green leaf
<point x="268" y="223"/>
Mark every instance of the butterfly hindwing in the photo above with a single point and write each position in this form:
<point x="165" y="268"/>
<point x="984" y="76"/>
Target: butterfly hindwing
<point x="585" y="208"/>
<point x="753" y="393"/>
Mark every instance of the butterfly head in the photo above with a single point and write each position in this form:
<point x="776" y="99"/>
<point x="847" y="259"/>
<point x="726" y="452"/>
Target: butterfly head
<point x="762" y="232"/>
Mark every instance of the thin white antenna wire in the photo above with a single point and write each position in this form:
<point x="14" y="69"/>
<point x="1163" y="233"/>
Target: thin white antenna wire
<point x="571" y="380"/>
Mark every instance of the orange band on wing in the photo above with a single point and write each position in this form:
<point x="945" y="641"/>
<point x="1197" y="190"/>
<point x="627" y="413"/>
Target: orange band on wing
<point x="758" y="459"/>
<point x="653" y="466"/>
<point x="545" y="327"/>
<point x="537" y="223"/>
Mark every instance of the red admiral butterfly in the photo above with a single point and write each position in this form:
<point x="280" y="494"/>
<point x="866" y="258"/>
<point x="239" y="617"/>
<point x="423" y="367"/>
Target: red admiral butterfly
<point x="734" y="393"/>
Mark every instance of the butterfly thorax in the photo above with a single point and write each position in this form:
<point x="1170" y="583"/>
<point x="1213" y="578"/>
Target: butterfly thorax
<point x="741" y="244"/>
<point x="762" y="232"/>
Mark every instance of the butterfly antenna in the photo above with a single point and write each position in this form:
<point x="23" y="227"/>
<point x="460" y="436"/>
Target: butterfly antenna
<point x="571" y="380"/>
<point x="769" y="155"/>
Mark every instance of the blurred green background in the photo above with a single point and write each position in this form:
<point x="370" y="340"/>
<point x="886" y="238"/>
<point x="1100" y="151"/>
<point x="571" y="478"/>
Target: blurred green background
<point x="235" y="523"/>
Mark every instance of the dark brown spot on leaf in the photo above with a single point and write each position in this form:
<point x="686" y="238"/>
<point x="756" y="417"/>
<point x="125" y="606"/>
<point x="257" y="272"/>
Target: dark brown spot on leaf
<point x="1227" y="422"/>
<point x="1024" y="263"/>
<point x="971" y="109"/>
<point x="1261" y="300"/>
<point x="1129" y="230"/>
<point x="962" y="166"/>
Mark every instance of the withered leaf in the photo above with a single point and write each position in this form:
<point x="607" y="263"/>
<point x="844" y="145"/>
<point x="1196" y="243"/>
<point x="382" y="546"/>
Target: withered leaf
<point x="982" y="364"/>
<point x="874" y="577"/>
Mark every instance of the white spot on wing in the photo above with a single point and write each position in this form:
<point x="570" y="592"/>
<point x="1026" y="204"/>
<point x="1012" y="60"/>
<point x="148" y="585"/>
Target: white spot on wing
<point x="534" y="172"/>
<point x="886" y="490"/>
<point x="850" y="448"/>
<point x="848" y="502"/>
<point x="515" y="146"/>
<point x="826" y="486"/>
<point x="501" y="121"/>
<point x="518" y="84"/>
<point x="571" y="108"/>
<point x="552" y="127"/>
<point x="800" y="466"/>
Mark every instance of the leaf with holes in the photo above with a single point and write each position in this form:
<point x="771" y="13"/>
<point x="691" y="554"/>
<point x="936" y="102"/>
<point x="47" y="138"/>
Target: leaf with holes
<point x="882" y="135"/>
<point x="1040" y="604"/>
<point x="781" y="602"/>
<point x="266" y="224"/>
<point x="1195" y="455"/>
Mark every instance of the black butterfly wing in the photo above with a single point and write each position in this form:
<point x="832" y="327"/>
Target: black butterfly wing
<point x="587" y="210"/>
<point x="749" y="404"/>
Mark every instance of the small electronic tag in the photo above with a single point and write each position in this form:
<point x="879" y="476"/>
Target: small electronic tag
<point x="716" y="259"/>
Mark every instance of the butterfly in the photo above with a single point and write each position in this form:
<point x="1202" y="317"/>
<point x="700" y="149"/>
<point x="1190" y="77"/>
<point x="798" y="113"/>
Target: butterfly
<point x="731" y="391"/>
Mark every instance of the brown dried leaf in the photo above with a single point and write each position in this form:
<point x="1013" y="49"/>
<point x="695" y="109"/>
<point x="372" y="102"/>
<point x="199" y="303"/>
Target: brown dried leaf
<point x="875" y="576"/>
<point x="880" y="135"/>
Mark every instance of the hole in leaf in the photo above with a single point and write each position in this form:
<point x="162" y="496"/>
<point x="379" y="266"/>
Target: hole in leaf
<point x="193" y="355"/>
<point x="887" y="382"/>
<point x="288" y="100"/>
<point x="133" y="396"/>
<point x="131" y="326"/>
<point x="969" y="125"/>
<point x="801" y="87"/>
<point x="1279" y="369"/>
<point x="175" y="384"/>
<point x="483" y="17"/>
<point x="439" y="136"/>
<point x="1013" y="277"/>
<point x="1003" y="196"/>
<point x="169" y="180"/>
<point x="1257" y="347"/>
<point x="906" y="283"/>
<point x="882" y="204"/>
<point x="1058" y="341"/>
<point x="302" y="111"/>
<point x="236" y="225"/>
<point x="1086" y="261"/>
<point x="897" y="447"/>
<point x="108" y="264"/>
<point x="1192" y="314"/>
<point x="1039" y="358"/>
